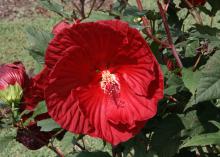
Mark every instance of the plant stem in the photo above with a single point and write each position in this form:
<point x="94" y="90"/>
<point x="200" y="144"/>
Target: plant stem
<point x="146" y="23"/>
<point x="100" y="5"/>
<point x="169" y="37"/>
<point x="194" y="12"/>
<point x="77" y="8"/>
<point x="83" y="9"/>
<point x="166" y="5"/>
<point x="78" y="145"/>
<point x="197" y="62"/>
<point x="211" y="21"/>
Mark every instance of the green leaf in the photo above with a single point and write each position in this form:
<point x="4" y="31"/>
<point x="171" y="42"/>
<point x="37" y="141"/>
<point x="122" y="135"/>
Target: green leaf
<point x="215" y="4"/>
<point x="139" y="149"/>
<point x="67" y="141"/>
<point x="40" y="109"/>
<point x="91" y="154"/>
<point x="39" y="41"/>
<point x="175" y="84"/>
<point x="209" y="84"/>
<point x="191" y="79"/>
<point x="192" y="125"/>
<point x="137" y="144"/>
<point x="166" y="139"/>
<point x="47" y="125"/>
<point x="217" y="124"/>
<point x="191" y="47"/>
<point x="202" y="140"/>
<point x="151" y="154"/>
<point x="207" y="30"/>
<point x="55" y="7"/>
<point x="4" y="141"/>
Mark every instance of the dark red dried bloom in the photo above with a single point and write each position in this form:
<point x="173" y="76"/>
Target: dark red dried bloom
<point x="196" y="3"/>
<point x="104" y="80"/>
<point x="10" y="74"/>
<point x="32" y="137"/>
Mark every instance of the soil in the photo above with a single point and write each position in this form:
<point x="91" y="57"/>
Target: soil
<point x="11" y="9"/>
<point x="16" y="8"/>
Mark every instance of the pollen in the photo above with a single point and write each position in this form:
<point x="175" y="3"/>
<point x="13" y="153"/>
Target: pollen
<point x="109" y="83"/>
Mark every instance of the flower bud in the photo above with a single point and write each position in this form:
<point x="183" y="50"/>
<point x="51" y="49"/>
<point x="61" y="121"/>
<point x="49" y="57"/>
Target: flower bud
<point x="12" y="82"/>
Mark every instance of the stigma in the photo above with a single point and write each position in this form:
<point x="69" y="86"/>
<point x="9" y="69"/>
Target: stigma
<point x="109" y="83"/>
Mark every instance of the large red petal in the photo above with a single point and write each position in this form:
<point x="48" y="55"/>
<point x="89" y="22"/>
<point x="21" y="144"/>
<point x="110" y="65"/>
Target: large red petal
<point x="70" y="72"/>
<point x="88" y="36"/>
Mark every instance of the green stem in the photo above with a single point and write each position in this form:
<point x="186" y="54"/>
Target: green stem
<point x="211" y="21"/>
<point x="13" y="113"/>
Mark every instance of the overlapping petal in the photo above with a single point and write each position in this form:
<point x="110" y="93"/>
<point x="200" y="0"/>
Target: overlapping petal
<point x="60" y="26"/>
<point x="34" y="92"/>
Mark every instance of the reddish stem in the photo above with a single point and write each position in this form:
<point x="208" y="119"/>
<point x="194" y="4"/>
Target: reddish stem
<point x="146" y="23"/>
<point x="169" y="37"/>
<point x="166" y="5"/>
<point x="194" y="12"/>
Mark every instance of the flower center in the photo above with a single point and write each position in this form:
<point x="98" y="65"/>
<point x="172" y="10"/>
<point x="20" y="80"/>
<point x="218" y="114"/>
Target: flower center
<point x="109" y="83"/>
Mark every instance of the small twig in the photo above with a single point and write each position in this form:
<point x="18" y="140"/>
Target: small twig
<point x="166" y="6"/>
<point x="211" y="21"/>
<point x="77" y="8"/>
<point x="78" y="145"/>
<point x="100" y="5"/>
<point x="169" y="37"/>
<point x="91" y="8"/>
<point x="56" y="150"/>
<point x="197" y="62"/>
<point x="146" y="23"/>
<point x="83" y="143"/>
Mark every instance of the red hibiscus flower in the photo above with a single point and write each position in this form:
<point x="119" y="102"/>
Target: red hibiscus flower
<point x="104" y="80"/>
<point x="10" y="74"/>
